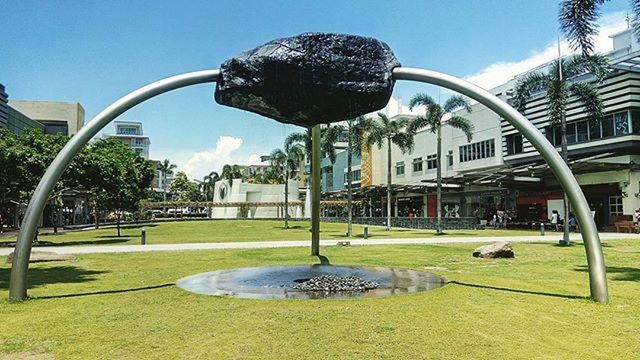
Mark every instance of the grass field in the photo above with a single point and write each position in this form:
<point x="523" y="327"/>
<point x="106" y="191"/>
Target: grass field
<point x="238" y="230"/>
<point x="114" y="306"/>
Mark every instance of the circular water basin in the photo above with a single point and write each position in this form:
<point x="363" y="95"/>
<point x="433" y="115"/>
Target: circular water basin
<point x="276" y="282"/>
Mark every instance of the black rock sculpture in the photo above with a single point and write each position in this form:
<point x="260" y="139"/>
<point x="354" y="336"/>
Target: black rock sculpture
<point x="310" y="79"/>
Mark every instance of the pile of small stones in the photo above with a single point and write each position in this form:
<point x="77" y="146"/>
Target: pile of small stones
<point x="333" y="283"/>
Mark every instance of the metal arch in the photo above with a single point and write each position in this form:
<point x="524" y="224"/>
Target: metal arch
<point x="597" y="275"/>
<point x="593" y="248"/>
<point x="18" y="282"/>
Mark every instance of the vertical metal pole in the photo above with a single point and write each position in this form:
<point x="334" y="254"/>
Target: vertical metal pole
<point x="315" y="191"/>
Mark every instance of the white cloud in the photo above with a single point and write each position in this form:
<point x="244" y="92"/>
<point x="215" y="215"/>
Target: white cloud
<point x="254" y="159"/>
<point x="203" y="162"/>
<point x="501" y="72"/>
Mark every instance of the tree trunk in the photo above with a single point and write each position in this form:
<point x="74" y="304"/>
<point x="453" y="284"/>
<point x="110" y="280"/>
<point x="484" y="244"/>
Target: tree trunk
<point x="118" y="223"/>
<point x="439" y="182"/>
<point x="349" y="203"/>
<point x="97" y="216"/>
<point x="389" y="184"/>
<point x="286" y="196"/>
<point x="164" y="191"/>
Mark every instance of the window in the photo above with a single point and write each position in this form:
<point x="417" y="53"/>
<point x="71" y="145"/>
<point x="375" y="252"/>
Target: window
<point x="450" y="159"/>
<point x="356" y="175"/>
<point x="514" y="144"/>
<point x="635" y="122"/>
<point x="328" y="177"/>
<point x="615" y="205"/>
<point x="432" y="161"/>
<point x="607" y="126"/>
<point x="417" y="164"/>
<point x="400" y="168"/>
<point x="479" y="150"/>
<point x="582" y="131"/>
<point x="621" y="123"/>
<point x="571" y="133"/>
<point x="128" y="130"/>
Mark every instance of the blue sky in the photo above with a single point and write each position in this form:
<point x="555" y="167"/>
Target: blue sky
<point x="94" y="52"/>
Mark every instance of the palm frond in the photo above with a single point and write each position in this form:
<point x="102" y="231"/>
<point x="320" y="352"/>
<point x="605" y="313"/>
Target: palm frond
<point x="635" y="21"/>
<point x="588" y="96"/>
<point x="577" y="65"/>
<point x="421" y="99"/>
<point x="456" y="102"/>
<point x="578" y="22"/>
<point x="294" y="138"/>
<point x="463" y="124"/>
<point x="556" y="100"/>
<point x="526" y="86"/>
<point x="404" y="141"/>
<point x="377" y="134"/>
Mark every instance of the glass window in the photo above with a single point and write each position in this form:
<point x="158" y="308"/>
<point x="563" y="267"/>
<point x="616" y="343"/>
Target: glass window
<point x="432" y="161"/>
<point x="557" y="136"/>
<point x="615" y="205"/>
<point x="450" y="158"/>
<point x="571" y="133"/>
<point x="594" y="130"/>
<point x="621" y="121"/>
<point x="607" y="126"/>
<point x="417" y="164"/>
<point x="480" y="150"/>
<point x="400" y="168"/>
<point x="514" y="144"/>
<point x="635" y="122"/>
<point x="582" y="131"/>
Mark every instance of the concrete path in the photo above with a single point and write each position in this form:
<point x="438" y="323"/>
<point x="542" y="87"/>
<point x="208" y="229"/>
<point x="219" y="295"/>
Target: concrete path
<point x="89" y="249"/>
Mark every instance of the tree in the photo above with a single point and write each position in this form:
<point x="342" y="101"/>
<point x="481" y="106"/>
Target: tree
<point x="578" y="22"/>
<point x="287" y="161"/>
<point x="230" y="172"/>
<point x="166" y="168"/>
<point x="329" y="136"/>
<point x="434" y="120"/>
<point x="185" y="189"/>
<point x="398" y="132"/>
<point x="356" y="138"/>
<point x="119" y="178"/>
<point x="208" y="185"/>
<point x="559" y="87"/>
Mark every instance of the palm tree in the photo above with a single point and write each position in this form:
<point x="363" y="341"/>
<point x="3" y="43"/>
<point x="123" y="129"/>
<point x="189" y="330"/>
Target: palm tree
<point x="230" y="172"/>
<point x="166" y="168"/>
<point x="434" y="120"/>
<point x="398" y="132"/>
<point x="578" y="22"/>
<point x="287" y="162"/>
<point x="356" y="131"/>
<point x="559" y="88"/>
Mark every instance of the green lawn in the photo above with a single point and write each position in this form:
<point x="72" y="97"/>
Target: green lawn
<point x="114" y="306"/>
<point x="238" y="230"/>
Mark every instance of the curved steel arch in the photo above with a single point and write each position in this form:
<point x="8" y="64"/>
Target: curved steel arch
<point x="595" y="259"/>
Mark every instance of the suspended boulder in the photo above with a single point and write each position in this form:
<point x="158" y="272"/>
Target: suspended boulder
<point x="310" y="79"/>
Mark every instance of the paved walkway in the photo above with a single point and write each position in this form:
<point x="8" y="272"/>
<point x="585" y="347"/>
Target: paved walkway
<point x="90" y="249"/>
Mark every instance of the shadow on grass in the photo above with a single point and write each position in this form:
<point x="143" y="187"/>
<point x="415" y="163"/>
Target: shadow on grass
<point x="529" y="292"/>
<point x="291" y="227"/>
<point x="618" y="273"/>
<point x="112" y="240"/>
<point x="39" y="276"/>
<point x="323" y="260"/>
<point x="105" y="292"/>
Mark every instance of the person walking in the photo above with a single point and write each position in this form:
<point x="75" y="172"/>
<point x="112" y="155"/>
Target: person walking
<point x="555" y="219"/>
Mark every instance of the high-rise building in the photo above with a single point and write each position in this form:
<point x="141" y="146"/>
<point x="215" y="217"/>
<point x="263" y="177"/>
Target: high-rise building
<point x="130" y="133"/>
<point x="12" y="119"/>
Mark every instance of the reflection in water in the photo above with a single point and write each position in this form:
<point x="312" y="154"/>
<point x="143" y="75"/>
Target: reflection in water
<point x="276" y="282"/>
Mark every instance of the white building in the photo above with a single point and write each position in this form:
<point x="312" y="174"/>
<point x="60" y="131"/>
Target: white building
<point x="130" y="133"/>
<point x="252" y="194"/>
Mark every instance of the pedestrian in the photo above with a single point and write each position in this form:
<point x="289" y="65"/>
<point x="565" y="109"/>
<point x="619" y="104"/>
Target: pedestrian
<point x="573" y="223"/>
<point x="555" y="219"/>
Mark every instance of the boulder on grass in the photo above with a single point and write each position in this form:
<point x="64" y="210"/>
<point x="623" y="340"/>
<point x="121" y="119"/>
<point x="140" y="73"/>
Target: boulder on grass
<point x="43" y="256"/>
<point x="501" y="249"/>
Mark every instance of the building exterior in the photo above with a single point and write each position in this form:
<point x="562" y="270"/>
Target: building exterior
<point x="498" y="170"/>
<point x="249" y="195"/>
<point x="57" y="117"/>
<point x="131" y="133"/>
<point x="12" y="119"/>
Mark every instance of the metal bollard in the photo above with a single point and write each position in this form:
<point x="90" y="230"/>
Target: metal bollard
<point x="365" y="234"/>
<point x="143" y="237"/>
<point x="541" y="229"/>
